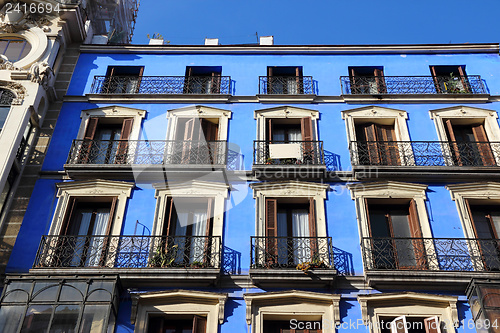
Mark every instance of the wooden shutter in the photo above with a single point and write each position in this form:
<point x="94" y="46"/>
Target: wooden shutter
<point x="398" y="325"/>
<point x="91" y="128"/>
<point x="463" y="79"/>
<point x="372" y="146"/>
<point x="189" y="135"/>
<point x="111" y="215"/>
<point x="126" y="128"/>
<point x="269" y="129"/>
<point x="70" y="212"/>
<point x="271" y="218"/>
<point x="123" y="145"/>
<point x="355" y="88"/>
<point x="308" y="147"/>
<point x="189" y="129"/>
<point x="199" y="324"/>
<point x="416" y="232"/>
<point x="483" y="145"/>
<point x="169" y="218"/>
<point x="432" y="325"/>
<point x="210" y="209"/>
<point x="306" y="128"/>
<point x="380" y="81"/>
<point x="312" y="218"/>
<point x="103" y="262"/>
<point x="270" y="80"/>
<point x="435" y="79"/>
<point x="453" y="145"/>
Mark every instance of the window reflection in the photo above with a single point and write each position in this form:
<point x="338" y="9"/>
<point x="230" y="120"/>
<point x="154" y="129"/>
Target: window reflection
<point x="14" y="48"/>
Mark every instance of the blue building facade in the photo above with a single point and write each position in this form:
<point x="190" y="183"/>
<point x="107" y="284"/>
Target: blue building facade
<point x="267" y="189"/>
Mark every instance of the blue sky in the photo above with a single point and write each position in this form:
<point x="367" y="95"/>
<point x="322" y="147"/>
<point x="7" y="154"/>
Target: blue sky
<point x="320" y="21"/>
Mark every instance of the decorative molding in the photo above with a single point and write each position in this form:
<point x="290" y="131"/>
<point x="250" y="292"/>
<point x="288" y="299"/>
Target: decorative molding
<point x="18" y="89"/>
<point x="396" y="303"/>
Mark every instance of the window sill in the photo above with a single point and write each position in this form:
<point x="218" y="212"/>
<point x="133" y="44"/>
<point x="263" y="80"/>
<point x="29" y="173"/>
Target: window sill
<point x="417" y="98"/>
<point x="283" y="277"/>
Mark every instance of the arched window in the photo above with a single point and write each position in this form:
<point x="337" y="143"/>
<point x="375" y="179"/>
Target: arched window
<point x="6" y="97"/>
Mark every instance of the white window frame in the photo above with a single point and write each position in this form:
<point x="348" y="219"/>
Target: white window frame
<point x="113" y="111"/>
<point x="178" y="302"/>
<point x="284" y="112"/>
<point x="198" y="111"/>
<point x="191" y="189"/>
<point x="467" y="113"/>
<point x="93" y="189"/>
<point x="408" y="304"/>
<point x="292" y="304"/>
<point x="289" y="189"/>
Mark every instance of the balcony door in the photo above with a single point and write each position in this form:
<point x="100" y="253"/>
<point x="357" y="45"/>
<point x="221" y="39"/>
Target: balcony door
<point x="105" y="141"/>
<point x="122" y="80"/>
<point x="196" y="142"/>
<point x="85" y="229"/>
<point x="367" y="80"/>
<point x="377" y="144"/>
<point x="188" y="225"/>
<point x="202" y="80"/>
<point x="290" y="232"/>
<point x="396" y="236"/>
<point x="284" y="80"/>
<point x="290" y="141"/>
<point x="486" y="224"/>
<point x="450" y="79"/>
<point x="469" y="145"/>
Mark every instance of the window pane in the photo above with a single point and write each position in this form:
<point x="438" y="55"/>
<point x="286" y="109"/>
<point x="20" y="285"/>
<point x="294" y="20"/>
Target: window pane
<point x="23" y="287"/>
<point x="73" y="292"/>
<point x="94" y="318"/>
<point x="4" y="112"/>
<point x="65" y="319"/>
<point x="10" y="318"/>
<point x="37" y="319"/>
<point x="99" y="296"/>
<point x="14" y="49"/>
<point x="47" y="294"/>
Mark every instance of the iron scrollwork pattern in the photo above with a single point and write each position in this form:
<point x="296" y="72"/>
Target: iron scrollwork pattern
<point x="407" y="85"/>
<point x="443" y="254"/>
<point x="288" y="252"/>
<point x="129" y="251"/>
<point x="286" y="85"/>
<point x="425" y="153"/>
<point x="311" y="153"/>
<point x="148" y="152"/>
<point x="204" y="85"/>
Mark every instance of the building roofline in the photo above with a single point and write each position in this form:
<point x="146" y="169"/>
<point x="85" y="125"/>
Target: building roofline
<point x="297" y="49"/>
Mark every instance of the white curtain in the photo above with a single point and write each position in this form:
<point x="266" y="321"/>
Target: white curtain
<point x="291" y="83"/>
<point x="79" y="241"/>
<point x="294" y="135"/>
<point x="199" y="229"/>
<point x="282" y="243"/>
<point x="278" y="135"/>
<point x="96" y="245"/>
<point x="300" y="228"/>
<point x="180" y="230"/>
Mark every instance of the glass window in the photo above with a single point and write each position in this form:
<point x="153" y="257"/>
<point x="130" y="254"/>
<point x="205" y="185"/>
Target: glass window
<point x="42" y="292"/>
<point x="10" y="317"/>
<point x="94" y="318"/>
<point x="65" y="319"/>
<point x="14" y="48"/>
<point x="73" y="292"/>
<point x="37" y="318"/>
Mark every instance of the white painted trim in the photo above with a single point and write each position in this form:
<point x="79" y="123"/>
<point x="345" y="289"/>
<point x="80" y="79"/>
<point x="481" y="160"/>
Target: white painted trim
<point x="113" y="111"/>
<point x="290" y="189"/>
<point x="94" y="188"/>
<point x="292" y="304"/>
<point x="38" y="41"/>
<point x="178" y="302"/>
<point x="191" y="189"/>
<point x="284" y="112"/>
<point x="198" y="111"/>
<point x="376" y="306"/>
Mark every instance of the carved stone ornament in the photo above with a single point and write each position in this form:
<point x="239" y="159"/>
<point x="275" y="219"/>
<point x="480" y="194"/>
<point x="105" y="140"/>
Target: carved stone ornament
<point x="41" y="73"/>
<point x="24" y="22"/>
<point x="19" y="90"/>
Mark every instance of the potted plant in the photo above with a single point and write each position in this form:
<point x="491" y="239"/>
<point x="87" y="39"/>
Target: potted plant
<point x="316" y="262"/>
<point x="162" y="258"/>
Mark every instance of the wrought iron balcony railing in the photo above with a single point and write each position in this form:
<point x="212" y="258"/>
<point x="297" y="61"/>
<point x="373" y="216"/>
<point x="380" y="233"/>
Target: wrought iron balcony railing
<point x="288" y="153"/>
<point x="129" y="251"/>
<point x="289" y="252"/>
<point x="425" y="153"/>
<point x="441" y="254"/>
<point x="406" y="85"/>
<point x="149" y="152"/>
<point x="204" y="85"/>
<point x="286" y="85"/>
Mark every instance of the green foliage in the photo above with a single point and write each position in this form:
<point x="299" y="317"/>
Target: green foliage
<point x="163" y="258"/>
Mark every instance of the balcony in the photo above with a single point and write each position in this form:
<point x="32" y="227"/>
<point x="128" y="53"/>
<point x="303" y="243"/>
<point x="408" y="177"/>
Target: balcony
<point x="285" y="88"/>
<point x="448" y="262"/>
<point x="133" y="256"/>
<point x="420" y="157"/>
<point x="282" y="260"/>
<point x="290" y="156"/>
<point x="433" y="87"/>
<point x="117" y="156"/>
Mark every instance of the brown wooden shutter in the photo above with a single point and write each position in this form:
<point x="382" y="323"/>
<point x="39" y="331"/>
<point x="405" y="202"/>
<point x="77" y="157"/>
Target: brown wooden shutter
<point x="372" y="146"/>
<point x="189" y="129"/>
<point x="104" y="254"/>
<point x="126" y="129"/>
<point x="416" y="232"/>
<point x="463" y="79"/>
<point x="380" y="81"/>
<point x="306" y="128"/>
<point x="471" y="216"/>
<point x="271" y="218"/>
<point x="199" y="324"/>
<point x="312" y="218"/>
<point x="483" y="145"/>
<point x="435" y="79"/>
<point x="432" y="325"/>
<point x="111" y="215"/>
<point x="91" y="128"/>
<point x="415" y="229"/>
<point x="451" y="133"/>
<point x="398" y="325"/>
<point x="453" y="146"/>
<point x="169" y="218"/>
<point x="70" y="212"/>
<point x="210" y="212"/>
<point x="269" y="80"/>
<point x="269" y="129"/>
